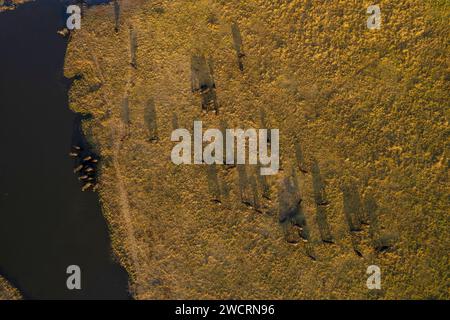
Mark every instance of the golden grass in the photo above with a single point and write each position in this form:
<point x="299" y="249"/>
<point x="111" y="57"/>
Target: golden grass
<point x="7" y="292"/>
<point x="370" y="106"/>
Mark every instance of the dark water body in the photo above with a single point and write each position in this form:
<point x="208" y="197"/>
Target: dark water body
<point x="46" y="222"/>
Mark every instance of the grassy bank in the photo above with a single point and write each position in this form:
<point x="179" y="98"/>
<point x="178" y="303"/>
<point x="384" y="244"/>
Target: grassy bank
<point x="7" y="292"/>
<point x="363" y="117"/>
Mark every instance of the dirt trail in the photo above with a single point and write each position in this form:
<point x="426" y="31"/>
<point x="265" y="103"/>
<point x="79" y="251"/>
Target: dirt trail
<point x="119" y="134"/>
<point x="120" y="131"/>
<point x="125" y="210"/>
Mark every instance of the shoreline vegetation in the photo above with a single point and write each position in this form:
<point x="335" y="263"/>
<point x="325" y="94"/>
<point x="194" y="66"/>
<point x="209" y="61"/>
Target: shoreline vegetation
<point x="7" y="292"/>
<point x="4" y="5"/>
<point x="74" y="209"/>
<point x="364" y="159"/>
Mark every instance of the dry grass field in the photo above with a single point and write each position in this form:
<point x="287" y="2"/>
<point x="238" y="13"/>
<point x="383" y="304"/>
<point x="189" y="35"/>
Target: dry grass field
<point x="363" y="120"/>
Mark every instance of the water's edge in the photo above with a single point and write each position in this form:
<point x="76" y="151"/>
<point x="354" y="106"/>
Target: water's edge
<point x="46" y="222"/>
